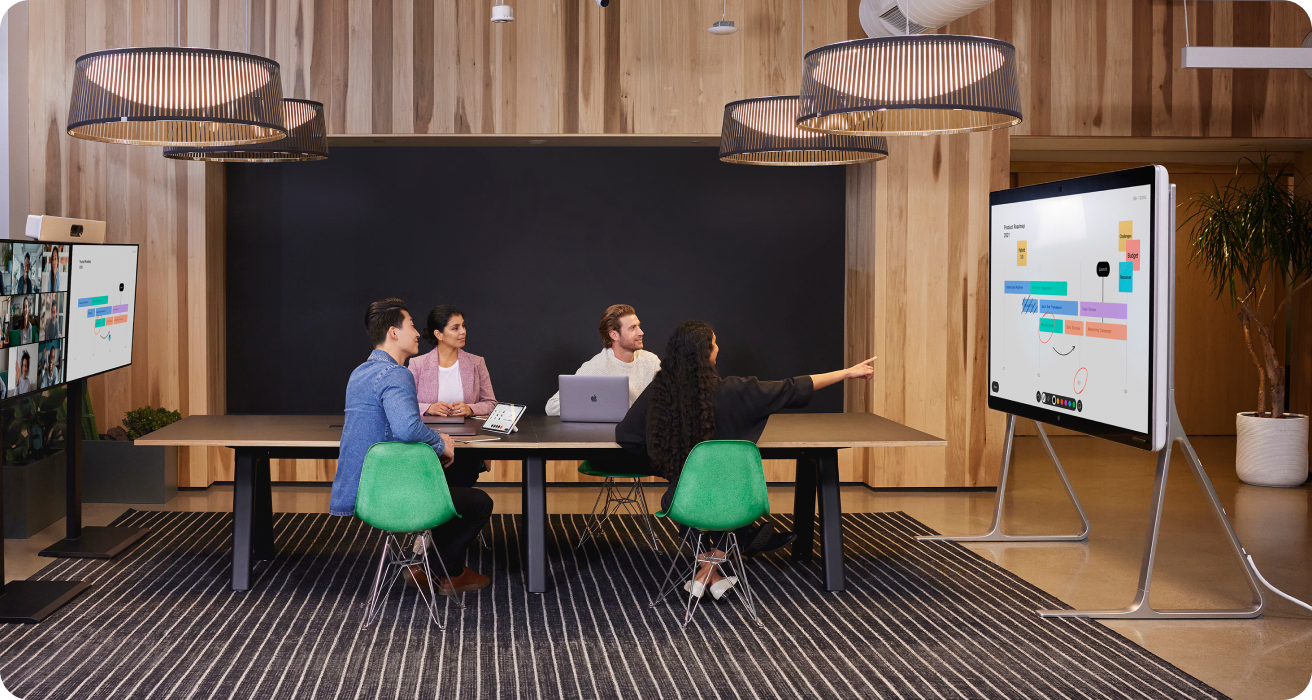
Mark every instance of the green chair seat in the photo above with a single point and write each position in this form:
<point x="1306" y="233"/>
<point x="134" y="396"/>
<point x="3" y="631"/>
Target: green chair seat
<point x="722" y="487"/>
<point x="403" y="488"/>
<point x="587" y="469"/>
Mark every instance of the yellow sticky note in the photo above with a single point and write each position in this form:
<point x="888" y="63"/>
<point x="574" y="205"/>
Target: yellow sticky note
<point x="1020" y="253"/>
<point x="1127" y="232"/>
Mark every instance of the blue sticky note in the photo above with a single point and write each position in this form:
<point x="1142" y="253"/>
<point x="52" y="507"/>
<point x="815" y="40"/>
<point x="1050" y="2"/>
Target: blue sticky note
<point x="1127" y="276"/>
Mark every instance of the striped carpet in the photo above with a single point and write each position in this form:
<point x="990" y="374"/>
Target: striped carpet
<point x="918" y="620"/>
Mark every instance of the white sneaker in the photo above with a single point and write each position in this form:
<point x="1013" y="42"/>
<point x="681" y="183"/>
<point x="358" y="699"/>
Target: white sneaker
<point x="720" y="588"/>
<point x="696" y="588"/>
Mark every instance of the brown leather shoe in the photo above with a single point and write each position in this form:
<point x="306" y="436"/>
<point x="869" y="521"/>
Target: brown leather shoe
<point x="468" y="580"/>
<point x="415" y="577"/>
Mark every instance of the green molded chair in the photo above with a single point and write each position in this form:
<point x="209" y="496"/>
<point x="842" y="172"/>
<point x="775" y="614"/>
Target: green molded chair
<point x="616" y="498"/>
<point x="722" y="488"/>
<point x="403" y="492"/>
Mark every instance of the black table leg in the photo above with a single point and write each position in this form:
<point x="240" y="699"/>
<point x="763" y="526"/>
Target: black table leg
<point x="831" y="522"/>
<point x="535" y="521"/>
<point x="243" y="508"/>
<point x="804" y="509"/>
<point x="262" y="515"/>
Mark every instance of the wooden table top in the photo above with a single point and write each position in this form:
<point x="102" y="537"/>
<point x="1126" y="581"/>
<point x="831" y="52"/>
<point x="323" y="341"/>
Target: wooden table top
<point x="785" y="430"/>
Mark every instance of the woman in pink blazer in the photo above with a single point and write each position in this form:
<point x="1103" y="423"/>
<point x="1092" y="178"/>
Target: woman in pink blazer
<point x="452" y="382"/>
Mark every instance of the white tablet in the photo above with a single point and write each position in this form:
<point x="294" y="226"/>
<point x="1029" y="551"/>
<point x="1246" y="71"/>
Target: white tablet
<point x="503" y="418"/>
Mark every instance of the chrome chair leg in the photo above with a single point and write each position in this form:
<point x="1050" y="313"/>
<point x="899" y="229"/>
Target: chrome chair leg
<point x="634" y="500"/>
<point x="740" y="571"/>
<point x="690" y="605"/>
<point x="671" y="582"/>
<point x="372" y="605"/>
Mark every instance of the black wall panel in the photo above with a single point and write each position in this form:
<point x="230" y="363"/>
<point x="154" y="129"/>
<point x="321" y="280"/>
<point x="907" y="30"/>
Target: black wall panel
<point x="532" y="244"/>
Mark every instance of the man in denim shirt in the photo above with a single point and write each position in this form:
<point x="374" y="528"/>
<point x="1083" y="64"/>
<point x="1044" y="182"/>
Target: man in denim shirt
<point x="381" y="406"/>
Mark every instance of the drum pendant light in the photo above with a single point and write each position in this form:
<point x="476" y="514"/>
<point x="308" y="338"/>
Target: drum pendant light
<point x="915" y="84"/>
<point x="176" y="96"/>
<point x="307" y="139"/>
<point x="763" y="131"/>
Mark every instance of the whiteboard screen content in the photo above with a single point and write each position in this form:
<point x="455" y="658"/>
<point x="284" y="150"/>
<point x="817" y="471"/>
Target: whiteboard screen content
<point x="1073" y="322"/>
<point x="102" y="303"/>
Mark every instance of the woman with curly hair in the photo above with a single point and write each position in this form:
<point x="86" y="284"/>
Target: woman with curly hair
<point x="689" y="402"/>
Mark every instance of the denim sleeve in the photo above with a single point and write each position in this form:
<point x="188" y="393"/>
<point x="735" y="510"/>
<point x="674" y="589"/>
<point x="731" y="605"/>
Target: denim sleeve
<point x="402" y="408"/>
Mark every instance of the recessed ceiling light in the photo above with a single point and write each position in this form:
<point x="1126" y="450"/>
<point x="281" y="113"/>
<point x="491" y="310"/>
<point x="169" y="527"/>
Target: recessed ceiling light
<point x="696" y="142"/>
<point x="537" y="142"/>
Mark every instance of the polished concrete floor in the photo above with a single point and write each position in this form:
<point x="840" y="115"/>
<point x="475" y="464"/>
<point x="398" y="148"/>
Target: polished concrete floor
<point x="1267" y="658"/>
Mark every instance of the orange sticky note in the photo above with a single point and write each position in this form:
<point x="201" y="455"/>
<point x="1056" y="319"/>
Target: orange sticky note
<point x="1075" y="328"/>
<point x="1125" y="234"/>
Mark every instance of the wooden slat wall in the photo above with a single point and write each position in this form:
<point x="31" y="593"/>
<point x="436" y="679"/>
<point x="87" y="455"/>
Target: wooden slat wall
<point x="917" y="298"/>
<point x="422" y="66"/>
<point x="173" y="209"/>
<point x="1112" y="67"/>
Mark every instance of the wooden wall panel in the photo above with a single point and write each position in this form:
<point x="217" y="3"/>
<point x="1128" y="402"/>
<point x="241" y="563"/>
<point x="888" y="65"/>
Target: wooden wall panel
<point x="172" y="209"/>
<point x="917" y="298"/>
<point x="1112" y="67"/>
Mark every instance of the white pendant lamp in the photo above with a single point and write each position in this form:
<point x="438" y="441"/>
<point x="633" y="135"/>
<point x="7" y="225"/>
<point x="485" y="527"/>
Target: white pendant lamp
<point x="923" y="84"/>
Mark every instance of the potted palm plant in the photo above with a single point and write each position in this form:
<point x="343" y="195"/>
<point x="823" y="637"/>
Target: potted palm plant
<point x="1254" y="239"/>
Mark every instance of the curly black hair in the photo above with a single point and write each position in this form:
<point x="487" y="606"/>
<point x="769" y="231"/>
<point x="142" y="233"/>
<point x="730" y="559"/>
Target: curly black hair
<point x="681" y="409"/>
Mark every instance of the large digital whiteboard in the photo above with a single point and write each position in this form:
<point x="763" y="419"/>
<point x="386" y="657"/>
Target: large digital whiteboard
<point x="102" y="308"/>
<point x="1076" y="336"/>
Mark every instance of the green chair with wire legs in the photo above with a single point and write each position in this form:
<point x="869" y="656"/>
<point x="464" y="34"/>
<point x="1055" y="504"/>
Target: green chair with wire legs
<point x="722" y="488"/>
<point x="616" y="498"/>
<point x="403" y="492"/>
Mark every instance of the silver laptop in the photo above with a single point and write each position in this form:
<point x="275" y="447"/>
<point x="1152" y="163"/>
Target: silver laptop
<point x="585" y="399"/>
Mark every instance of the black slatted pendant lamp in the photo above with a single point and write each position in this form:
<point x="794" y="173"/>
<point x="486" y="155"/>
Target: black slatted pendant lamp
<point x="176" y="96"/>
<point x="763" y="131"/>
<point x="307" y="134"/>
<point x="307" y="139"/>
<point x="914" y="84"/>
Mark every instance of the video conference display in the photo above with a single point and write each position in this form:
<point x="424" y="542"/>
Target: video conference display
<point x="41" y="284"/>
<point x="1071" y="304"/>
<point x="34" y="280"/>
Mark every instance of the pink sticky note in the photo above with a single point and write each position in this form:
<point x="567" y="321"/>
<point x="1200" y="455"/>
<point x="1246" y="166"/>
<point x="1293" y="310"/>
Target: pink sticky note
<point x="1132" y="252"/>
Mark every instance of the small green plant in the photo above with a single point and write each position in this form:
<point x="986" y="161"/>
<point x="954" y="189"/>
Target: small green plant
<point x="1253" y="240"/>
<point x="147" y="420"/>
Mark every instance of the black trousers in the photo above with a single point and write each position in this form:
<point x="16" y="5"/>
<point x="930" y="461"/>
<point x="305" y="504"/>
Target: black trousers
<point x="452" y="538"/>
<point x="465" y="470"/>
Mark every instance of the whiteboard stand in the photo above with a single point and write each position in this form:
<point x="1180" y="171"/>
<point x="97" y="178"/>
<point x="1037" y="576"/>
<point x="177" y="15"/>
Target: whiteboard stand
<point x="1141" y="608"/>
<point x="995" y="533"/>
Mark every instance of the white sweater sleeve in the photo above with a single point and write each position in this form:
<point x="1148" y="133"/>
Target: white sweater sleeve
<point x="591" y="367"/>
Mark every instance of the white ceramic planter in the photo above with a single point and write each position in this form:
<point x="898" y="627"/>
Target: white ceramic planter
<point x="1271" y="451"/>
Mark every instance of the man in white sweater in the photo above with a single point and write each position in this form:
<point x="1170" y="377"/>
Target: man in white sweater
<point x="621" y="333"/>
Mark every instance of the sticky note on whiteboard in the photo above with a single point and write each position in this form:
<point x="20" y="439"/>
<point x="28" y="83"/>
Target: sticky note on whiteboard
<point x="1126" y="277"/>
<point x="1021" y="250"/>
<point x="1132" y="253"/>
<point x="1125" y="234"/>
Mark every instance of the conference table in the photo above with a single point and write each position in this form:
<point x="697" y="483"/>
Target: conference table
<point x="813" y="439"/>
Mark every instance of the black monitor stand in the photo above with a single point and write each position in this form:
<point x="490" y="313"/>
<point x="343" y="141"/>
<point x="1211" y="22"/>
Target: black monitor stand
<point x="30" y="601"/>
<point x="85" y="542"/>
